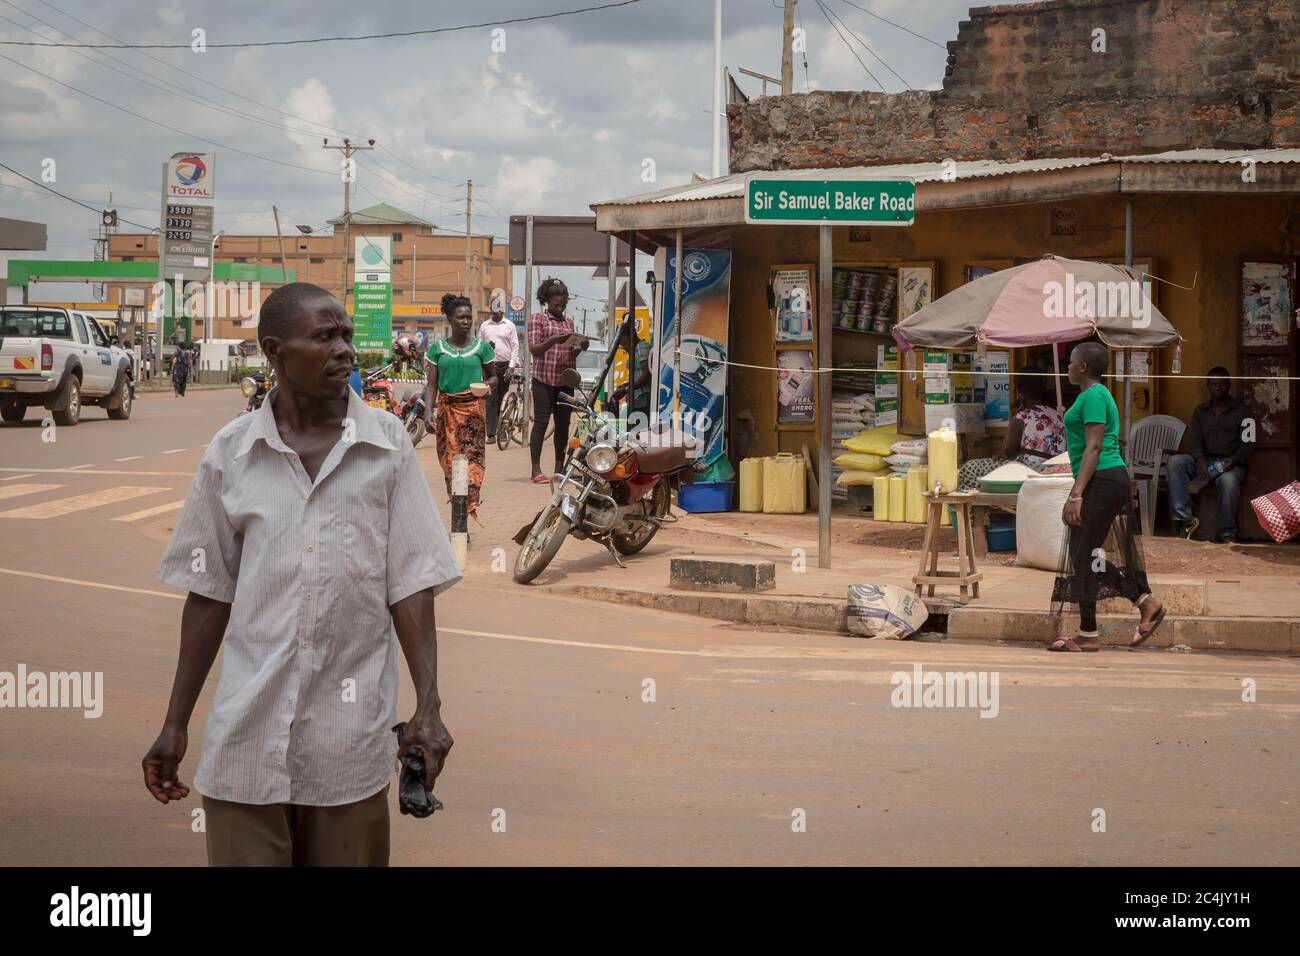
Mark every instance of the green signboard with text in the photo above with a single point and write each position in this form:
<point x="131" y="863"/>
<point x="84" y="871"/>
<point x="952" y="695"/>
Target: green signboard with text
<point x="372" y="316"/>
<point x="852" y="202"/>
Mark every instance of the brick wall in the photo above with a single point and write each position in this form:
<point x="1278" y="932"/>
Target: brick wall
<point x="1024" y="82"/>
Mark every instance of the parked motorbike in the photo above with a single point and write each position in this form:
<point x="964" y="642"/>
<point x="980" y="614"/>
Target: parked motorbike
<point x="377" y="390"/>
<point x="254" y="388"/>
<point x="615" y="490"/>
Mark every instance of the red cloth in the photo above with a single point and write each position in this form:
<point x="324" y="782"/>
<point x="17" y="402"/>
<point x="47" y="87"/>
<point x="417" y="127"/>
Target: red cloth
<point x="1279" y="512"/>
<point x="549" y="368"/>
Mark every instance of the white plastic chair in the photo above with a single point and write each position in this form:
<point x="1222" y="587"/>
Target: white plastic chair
<point x="1150" y="441"/>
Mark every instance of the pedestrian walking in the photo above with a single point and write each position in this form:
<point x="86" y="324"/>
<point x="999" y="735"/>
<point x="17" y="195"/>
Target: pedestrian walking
<point x="180" y="371"/>
<point x="554" y="347"/>
<point x="504" y="339"/>
<point x="311" y="549"/>
<point x="1102" y="553"/>
<point x="460" y="375"/>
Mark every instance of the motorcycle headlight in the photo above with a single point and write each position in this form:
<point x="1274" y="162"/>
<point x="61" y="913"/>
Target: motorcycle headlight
<point x="248" y="386"/>
<point x="602" y="458"/>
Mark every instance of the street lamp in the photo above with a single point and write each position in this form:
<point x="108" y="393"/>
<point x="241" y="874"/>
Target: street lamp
<point x="212" y="272"/>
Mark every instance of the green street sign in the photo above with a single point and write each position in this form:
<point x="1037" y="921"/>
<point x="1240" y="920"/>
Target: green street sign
<point x="816" y="202"/>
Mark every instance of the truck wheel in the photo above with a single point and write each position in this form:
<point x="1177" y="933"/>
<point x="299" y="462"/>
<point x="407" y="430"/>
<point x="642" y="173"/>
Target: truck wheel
<point x="123" y="410"/>
<point x="71" y="412"/>
<point x="11" y="410"/>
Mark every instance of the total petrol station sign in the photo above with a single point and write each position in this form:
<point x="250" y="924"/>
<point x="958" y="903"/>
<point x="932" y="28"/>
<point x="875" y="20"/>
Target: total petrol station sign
<point x="819" y="202"/>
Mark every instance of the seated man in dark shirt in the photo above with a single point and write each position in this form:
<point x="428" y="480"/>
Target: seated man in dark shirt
<point x="1222" y="438"/>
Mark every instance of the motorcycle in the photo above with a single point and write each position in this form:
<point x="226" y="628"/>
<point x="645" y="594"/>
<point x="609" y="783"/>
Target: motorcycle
<point x="615" y="490"/>
<point x="377" y="390"/>
<point x="254" y="388"/>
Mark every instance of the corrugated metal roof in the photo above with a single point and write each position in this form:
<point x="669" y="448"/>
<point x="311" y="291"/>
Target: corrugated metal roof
<point x="1217" y="156"/>
<point x="733" y="186"/>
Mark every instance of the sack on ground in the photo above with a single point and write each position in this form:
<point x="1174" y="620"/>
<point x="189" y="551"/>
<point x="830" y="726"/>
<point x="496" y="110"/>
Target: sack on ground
<point x="853" y="476"/>
<point x="1040" y="532"/>
<point x="885" y="611"/>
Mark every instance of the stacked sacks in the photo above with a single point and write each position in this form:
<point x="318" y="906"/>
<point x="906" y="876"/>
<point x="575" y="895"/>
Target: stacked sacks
<point x="849" y="413"/>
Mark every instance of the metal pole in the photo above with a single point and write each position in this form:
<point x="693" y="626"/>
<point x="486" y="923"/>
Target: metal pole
<point x="460" y="509"/>
<point x="716" y="78"/>
<point x="1128" y="352"/>
<point x="631" y="314"/>
<point x="284" y="263"/>
<point x="824" y="361"/>
<point x="677" y="334"/>
<point x="469" y="225"/>
<point x="528" y="304"/>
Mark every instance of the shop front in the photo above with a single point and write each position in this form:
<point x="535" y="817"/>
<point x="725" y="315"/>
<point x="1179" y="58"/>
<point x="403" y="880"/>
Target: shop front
<point x="1220" y="254"/>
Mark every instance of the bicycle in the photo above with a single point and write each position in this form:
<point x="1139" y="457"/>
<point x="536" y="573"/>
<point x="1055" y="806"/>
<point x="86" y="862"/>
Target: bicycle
<point x="510" y="421"/>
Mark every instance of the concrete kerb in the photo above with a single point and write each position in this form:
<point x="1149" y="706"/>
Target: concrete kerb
<point x="971" y="622"/>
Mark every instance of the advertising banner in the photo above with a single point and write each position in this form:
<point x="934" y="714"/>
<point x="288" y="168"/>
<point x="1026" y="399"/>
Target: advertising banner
<point x="372" y="294"/>
<point x="794" y="386"/>
<point x="706" y="307"/>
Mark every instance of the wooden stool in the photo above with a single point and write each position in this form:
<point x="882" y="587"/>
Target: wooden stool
<point x="966" y="576"/>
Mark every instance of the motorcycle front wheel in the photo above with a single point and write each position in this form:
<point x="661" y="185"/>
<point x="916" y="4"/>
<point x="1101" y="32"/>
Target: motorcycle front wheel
<point x="542" y="544"/>
<point x="416" y="428"/>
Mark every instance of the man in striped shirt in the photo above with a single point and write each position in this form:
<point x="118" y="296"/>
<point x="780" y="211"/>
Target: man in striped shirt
<point x="311" y="548"/>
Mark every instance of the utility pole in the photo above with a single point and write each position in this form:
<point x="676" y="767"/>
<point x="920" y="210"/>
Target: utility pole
<point x="716" y="79"/>
<point x="349" y="170"/>
<point x="469" y="230"/>
<point x="787" y="49"/>
<point x="284" y="263"/>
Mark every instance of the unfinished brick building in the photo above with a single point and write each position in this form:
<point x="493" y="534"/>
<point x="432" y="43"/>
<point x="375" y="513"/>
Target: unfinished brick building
<point x="1054" y="79"/>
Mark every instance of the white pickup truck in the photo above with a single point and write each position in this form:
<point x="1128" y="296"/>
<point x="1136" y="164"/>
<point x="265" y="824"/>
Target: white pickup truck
<point x="61" y="360"/>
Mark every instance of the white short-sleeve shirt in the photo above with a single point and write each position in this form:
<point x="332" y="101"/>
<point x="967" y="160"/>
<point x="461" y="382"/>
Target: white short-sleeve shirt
<point x="308" y="690"/>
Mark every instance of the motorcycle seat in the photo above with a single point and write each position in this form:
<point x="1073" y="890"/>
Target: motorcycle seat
<point x="664" y="450"/>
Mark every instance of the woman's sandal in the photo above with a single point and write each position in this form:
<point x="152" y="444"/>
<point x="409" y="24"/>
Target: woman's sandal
<point x="1140" y="636"/>
<point x="541" y="480"/>
<point x="1070" y="645"/>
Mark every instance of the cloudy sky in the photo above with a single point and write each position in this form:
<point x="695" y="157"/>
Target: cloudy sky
<point x="563" y="117"/>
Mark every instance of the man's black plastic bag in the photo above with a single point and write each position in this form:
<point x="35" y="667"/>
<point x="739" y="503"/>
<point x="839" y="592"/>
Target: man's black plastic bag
<point x="412" y="798"/>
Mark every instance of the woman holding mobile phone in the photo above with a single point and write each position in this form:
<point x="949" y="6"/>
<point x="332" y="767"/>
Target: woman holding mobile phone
<point x="554" y="347"/>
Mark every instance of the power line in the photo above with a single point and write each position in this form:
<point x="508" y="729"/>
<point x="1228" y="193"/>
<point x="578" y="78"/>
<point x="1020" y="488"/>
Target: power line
<point x="203" y="139"/>
<point x="867" y="46"/>
<point x="70" y="199"/>
<point x="331" y="39"/>
<point x="206" y="101"/>
<point x="822" y="7"/>
<point x="898" y="25"/>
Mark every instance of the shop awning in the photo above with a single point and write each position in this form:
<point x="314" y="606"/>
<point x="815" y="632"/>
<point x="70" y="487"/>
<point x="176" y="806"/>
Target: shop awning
<point x="713" y="206"/>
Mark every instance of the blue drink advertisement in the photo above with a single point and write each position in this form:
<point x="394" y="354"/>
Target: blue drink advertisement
<point x="706" y="310"/>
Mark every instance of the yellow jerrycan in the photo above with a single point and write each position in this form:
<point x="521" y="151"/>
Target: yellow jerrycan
<point x="784" y="485"/>
<point x="942" y="458"/>
<point x="915" y="507"/>
<point x="880" y="497"/>
<point x="751" y="484"/>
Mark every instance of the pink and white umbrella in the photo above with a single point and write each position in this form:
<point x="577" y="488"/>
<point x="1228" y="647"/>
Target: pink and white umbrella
<point x="1039" y="303"/>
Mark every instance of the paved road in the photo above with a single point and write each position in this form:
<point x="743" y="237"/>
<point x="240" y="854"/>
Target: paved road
<point x="544" y="696"/>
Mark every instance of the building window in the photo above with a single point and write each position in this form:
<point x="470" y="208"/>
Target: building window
<point x="397" y="237"/>
<point x="316" y="261"/>
<point x="303" y="247"/>
<point x="241" y="258"/>
<point x="139" y="245"/>
<point x="399" y="262"/>
<point x="397" y="292"/>
<point x="128" y="258"/>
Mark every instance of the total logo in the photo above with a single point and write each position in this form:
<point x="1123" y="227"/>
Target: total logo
<point x="191" y="176"/>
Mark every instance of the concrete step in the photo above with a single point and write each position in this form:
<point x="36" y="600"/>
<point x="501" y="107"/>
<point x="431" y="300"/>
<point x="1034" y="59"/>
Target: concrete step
<point x="730" y="575"/>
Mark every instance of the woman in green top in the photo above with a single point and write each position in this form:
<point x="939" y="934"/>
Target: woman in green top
<point x="452" y="365"/>
<point x="1103" y="556"/>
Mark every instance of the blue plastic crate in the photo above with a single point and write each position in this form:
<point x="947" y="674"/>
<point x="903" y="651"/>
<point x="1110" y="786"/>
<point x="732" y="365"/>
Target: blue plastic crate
<point x="1001" y="535"/>
<point x="706" y="496"/>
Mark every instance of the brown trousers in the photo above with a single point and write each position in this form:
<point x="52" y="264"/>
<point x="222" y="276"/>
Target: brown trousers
<point x="288" y="834"/>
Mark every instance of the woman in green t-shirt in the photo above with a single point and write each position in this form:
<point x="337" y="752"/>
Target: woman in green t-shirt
<point x="1103" y="556"/>
<point x="452" y="365"/>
